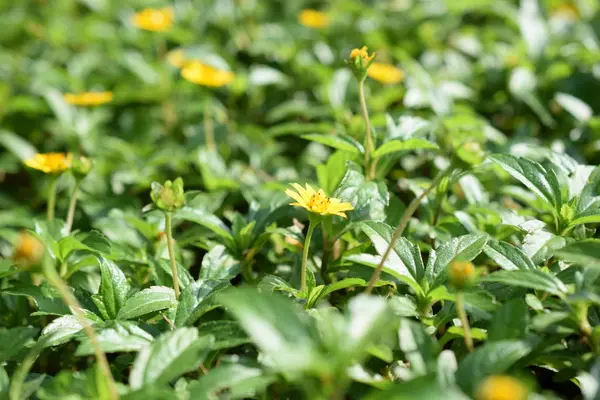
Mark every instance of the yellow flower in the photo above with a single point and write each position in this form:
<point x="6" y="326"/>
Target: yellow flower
<point x="461" y="274"/>
<point x="362" y="53"/>
<point x="501" y="387"/>
<point x="385" y="73"/>
<point x="50" y="163"/>
<point x="155" y="20"/>
<point x="313" y="18"/>
<point x="176" y="58"/>
<point x="28" y="250"/>
<point x="88" y="98"/>
<point x="202" y="74"/>
<point x="317" y="202"/>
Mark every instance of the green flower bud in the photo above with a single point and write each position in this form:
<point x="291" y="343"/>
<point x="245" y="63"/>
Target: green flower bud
<point x="81" y="166"/>
<point x="169" y="197"/>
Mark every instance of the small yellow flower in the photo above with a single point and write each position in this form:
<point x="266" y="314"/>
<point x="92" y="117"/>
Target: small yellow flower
<point x="202" y="74"/>
<point x="313" y="19"/>
<point x="176" y="58"/>
<point x="88" y="98"/>
<point x="28" y="250"/>
<point x="317" y="202"/>
<point x="461" y="274"/>
<point x="385" y="73"/>
<point x="362" y="53"/>
<point x="501" y="387"/>
<point x="567" y="11"/>
<point x="50" y="163"/>
<point x="155" y="20"/>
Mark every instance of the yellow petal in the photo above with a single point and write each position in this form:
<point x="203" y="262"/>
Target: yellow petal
<point x="296" y="197"/>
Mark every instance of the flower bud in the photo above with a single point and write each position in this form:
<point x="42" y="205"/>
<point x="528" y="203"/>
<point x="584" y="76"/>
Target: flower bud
<point x="28" y="252"/>
<point x="502" y="387"/>
<point x="360" y="61"/>
<point x="461" y="274"/>
<point x="169" y="197"/>
<point x="81" y="166"/>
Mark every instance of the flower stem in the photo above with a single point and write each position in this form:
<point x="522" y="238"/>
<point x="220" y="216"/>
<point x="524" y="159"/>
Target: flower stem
<point x="368" y="136"/>
<point x="76" y="308"/>
<point x="408" y="213"/>
<point x="72" y="203"/>
<point x="460" y="309"/>
<point x="172" y="253"/>
<point x="209" y="131"/>
<point x="52" y="198"/>
<point x="311" y="228"/>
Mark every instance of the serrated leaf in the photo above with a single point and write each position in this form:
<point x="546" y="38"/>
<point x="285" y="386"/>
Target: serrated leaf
<point x="197" y="299"/>
<point x="239" y="381"/>
<point x="113" y="287"/>
<point x="531" y="279"/>
<point x="590" y="195"/>
<point x="15" y="340"/>
<point x="507" y="256"/>
<point x="149" y="300"/>
<point x="394" y="146"/>
<point x="170" y="355"/>
<point x="339" y="285"/>
<point x="463" y="248"/>
<point x="61" y="330"/>
<point x="340" y="142"/>
<point x="510" y="321"/>
<point x="541" y="181"/>
<point x="116" y="337"/>
<point x="227" y="333"/>
<point x="219" y="264"/>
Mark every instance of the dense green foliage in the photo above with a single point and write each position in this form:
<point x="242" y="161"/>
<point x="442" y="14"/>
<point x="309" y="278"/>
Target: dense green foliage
<point x="479" y="174"/>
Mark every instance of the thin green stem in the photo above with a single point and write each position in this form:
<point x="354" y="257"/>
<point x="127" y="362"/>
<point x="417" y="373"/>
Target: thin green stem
<point x="168" y="224"/>
<point x="209" y="130"/>
<point x="72" y="203"/>
<point x="52" y="198"/>
<point x="368" y="135"/>
<point x="311" y="228"/>
<point x="325" y="259"/>
<point x="460" y="309"/>
<point x="408" y="213"/>
<point x="71" y="301"/>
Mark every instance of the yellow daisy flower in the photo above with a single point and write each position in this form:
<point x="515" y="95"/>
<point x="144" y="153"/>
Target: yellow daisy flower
<point x="28" y="250"/>
<point x="313" y="19"/>
<point x="202" y="74"/>
<point x="155" y="20"/>
<point x="362" y="53"/>
<point x="50" y="163"/>
<point x="88" y="98"/>
<point x="501" y="387"/>
<point x="385" y="73"/>
<point x="317" y="202"/>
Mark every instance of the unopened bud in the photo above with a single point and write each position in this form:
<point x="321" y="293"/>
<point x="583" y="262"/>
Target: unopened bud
<point x="360" y="61"/>
<point x="28" y="252"/>
<point x="169" y="197"/>
<point x="81" y="166"/>
<point x="461" y="274"/>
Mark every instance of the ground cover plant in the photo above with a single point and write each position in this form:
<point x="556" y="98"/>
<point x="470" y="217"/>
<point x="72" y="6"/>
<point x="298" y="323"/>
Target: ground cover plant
<point x="294" y="199"/>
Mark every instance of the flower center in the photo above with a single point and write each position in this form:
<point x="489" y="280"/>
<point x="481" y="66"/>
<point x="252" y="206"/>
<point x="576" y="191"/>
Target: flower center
<point x="318" y="203"/>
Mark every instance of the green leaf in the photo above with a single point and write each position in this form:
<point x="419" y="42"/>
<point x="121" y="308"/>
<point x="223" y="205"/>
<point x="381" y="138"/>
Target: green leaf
<point x="331" y="174"/>
<point x="113" y="287"/>
<point x="277" y="327"/>
<point x="339" y="285"/>
<point x="585" y="253"/>
<point x="340" y="142"/>
<point x="462" y="248"/>
<point x="425" y="387"/>
<point x="206" y="219"/>
<point x="61" y="330"/>
<point x="15" y="340"/>
<point x="590" y="196"/>
<point x="507" y="256"/>
<point x="531" y="279"/>
<point x="219" y="264"/>
<point x="170" y="355"/>
<point x="147" y="301"/>
<point x="366" y="322"/>
<point x="237" y="380"/>
<point x="492" y="358"/>
<point x="116" y="337"/>
<point x="20" y="147"/>
<point x="394" y="146"/>
<point x="297" y="128"/>
<point x="589" y="216"/>
<point x="541" y="181"/>
<point x="418" y="346"/>
<point x="227" y="334"/>
<point x="47" y="299"/>
<point x="369" y="198"/>
<point x="510" y="321"/>
<point x="197" y="299"/>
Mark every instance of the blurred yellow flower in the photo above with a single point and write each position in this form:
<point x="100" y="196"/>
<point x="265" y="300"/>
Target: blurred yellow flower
<point x="313" y="18"/>
<point x="385" y="73"/>
<point x="88" y="98"/>
<point x="202" y="74"/>
<point x="317" y="202"/>
<point x="362" y="53"/>
<point x="153" y="19"/>
<point x="50" y="163"/>
<point x="176" y="58"/>
<point x="461" y="274"/>
<point x="501" y="387"/>
<point x="28" y="250"/>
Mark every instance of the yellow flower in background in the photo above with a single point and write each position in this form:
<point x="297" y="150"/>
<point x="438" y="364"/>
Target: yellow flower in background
<point x="313" y="19"/>
<point x="202" y="74"/>
<point x="461" y="274"/>
<point x="567" y="11"/>
<point x="155" y="20"/>
<point x="88" y="98"/>
<point x="50" y="163"/>
<point x="28" y="250"/>
<point x="317" y="202"/>
<point x="385" y="73"/>
<point x="501" y="387"/>
<point x="361" y="53"/>
<point x="176" y="58"/>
